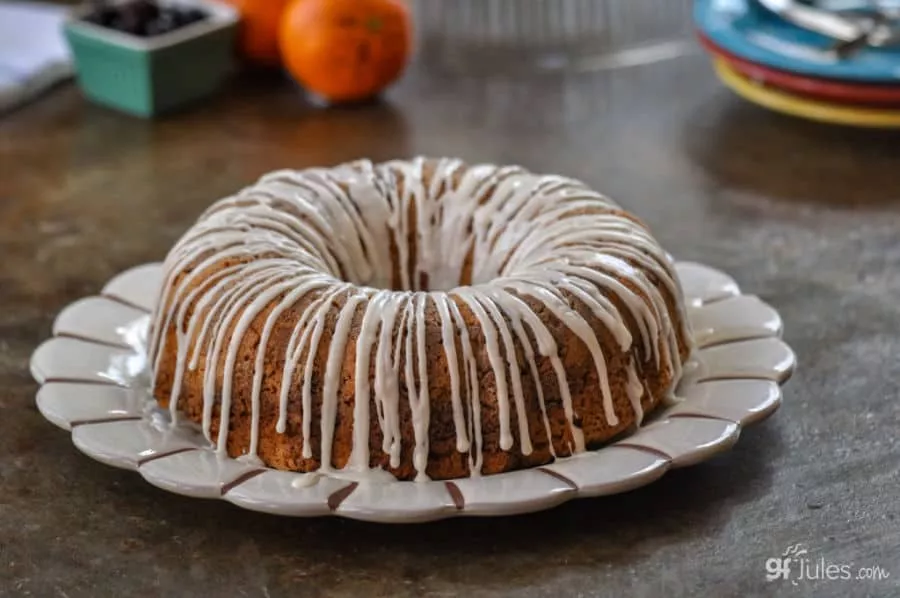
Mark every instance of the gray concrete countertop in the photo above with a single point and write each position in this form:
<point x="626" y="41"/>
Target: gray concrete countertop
<point x="806" y="216"/>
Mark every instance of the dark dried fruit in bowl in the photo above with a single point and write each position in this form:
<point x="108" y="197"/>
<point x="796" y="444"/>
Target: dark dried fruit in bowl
<point x="145" y="18"/>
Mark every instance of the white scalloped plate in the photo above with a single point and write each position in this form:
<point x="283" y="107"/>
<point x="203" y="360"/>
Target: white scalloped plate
<point x="94" y="382"/>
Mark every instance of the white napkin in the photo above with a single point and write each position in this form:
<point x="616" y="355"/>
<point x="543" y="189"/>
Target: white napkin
<point x="33" y="52"/>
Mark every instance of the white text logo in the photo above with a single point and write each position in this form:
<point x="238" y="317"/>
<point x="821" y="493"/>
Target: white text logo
<point x="794" y="566"/>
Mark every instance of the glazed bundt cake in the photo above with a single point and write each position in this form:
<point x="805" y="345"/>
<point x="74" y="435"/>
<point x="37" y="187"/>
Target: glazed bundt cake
<point x="427" y="318"/>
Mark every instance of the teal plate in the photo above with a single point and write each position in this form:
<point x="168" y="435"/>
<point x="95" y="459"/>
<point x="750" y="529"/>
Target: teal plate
<point x="749" y="31"/>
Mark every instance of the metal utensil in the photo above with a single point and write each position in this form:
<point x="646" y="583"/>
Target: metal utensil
<point x="827" y="23"/>
<point x="860" y="24"/>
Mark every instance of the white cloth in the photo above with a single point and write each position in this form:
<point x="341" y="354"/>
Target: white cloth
<point x="33" y="52"/>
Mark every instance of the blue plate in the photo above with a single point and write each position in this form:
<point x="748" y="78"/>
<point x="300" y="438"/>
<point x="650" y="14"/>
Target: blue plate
<point x="751" y="32"/>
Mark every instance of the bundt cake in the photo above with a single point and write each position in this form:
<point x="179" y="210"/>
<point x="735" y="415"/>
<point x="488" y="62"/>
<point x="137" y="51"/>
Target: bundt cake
<point x="427" y="318"/>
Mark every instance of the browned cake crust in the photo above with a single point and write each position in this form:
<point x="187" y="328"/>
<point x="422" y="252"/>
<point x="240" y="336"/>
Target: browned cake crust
<point x="444" y="460"/>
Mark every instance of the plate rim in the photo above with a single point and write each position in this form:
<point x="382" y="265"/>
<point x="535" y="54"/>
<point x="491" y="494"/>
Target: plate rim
<point x="805" y="108"/>
<point x="857" y="93"/>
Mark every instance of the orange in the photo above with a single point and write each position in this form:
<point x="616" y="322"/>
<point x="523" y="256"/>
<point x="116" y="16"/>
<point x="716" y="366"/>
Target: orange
<point x="258" y="38"/>
<point x="346" y="50"/>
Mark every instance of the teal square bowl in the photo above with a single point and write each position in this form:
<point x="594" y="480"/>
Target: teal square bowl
<point x="150" y="76"/>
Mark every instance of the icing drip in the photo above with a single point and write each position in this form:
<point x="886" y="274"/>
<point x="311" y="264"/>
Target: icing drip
<point x="476" y="457"/>
<point x="332" y="378"/>
<point x="310" y="258"/>
<point x="449" y="341"/>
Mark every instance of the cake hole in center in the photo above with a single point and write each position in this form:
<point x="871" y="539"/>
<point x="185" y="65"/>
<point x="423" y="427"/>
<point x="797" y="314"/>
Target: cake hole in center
<point x="435" y="269"/>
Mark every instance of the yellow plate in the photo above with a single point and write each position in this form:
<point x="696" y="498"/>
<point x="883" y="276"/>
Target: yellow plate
<point x="786" y="103"/>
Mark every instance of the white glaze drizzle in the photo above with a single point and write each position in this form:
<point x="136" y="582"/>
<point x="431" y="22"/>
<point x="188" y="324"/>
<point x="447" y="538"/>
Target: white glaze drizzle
<point x="322" y="238"/>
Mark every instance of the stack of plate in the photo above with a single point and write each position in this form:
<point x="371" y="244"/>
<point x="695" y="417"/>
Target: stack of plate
<point x="801" y="58"/>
